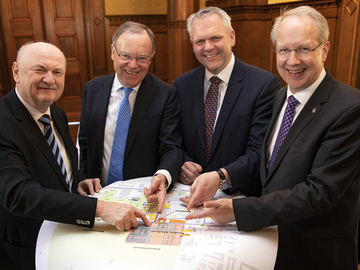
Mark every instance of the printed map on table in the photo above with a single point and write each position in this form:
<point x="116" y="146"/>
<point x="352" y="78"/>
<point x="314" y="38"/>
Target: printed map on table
<point x="168" y="227"/>
<point x="170" y="243"/>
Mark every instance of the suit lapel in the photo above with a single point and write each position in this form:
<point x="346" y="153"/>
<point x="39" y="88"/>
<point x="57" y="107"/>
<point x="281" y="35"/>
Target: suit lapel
<point x="232" y="92"/>
<point x="278" y="104"/>
<point x="63" y="130"/>
<point x="198" y="92"/>
<point x="144" y="98"/>
<point x="28" y="123"/>
<point x="310" y="110"/>
<point x="102" y="108"/>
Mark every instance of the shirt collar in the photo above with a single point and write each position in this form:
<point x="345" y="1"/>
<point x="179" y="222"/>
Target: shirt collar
<point x="304" y="95"/>
<point x="34" y="112"/>
<point x="117" y="85"/>
<point x="225" y="74"/>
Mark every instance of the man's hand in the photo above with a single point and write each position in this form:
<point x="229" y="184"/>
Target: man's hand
<point x="157" y="191"/>
<point x="189" y="172"/>
<point x="221" y="211"/>
<point x="203" y="189"/>
<point x="89" y="186"/>
<point x="122" y="216"/>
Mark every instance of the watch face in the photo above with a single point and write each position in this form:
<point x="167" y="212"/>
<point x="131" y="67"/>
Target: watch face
<point x="224" y="185"/>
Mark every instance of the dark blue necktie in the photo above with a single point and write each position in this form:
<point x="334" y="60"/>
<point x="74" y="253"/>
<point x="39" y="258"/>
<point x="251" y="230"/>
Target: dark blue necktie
<point x="284" y="128"/>
<point x="120" y="137"/>
<point x="51" y="140"/>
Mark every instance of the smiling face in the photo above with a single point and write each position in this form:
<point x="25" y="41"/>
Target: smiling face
<point x="212" y="43"/>
<point x="131" y="73"/>
<point x="300" y="72"/>
<point x="40" y="75"/>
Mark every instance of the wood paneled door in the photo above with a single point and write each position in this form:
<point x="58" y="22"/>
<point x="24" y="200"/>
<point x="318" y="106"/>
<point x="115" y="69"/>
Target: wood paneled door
<point x="60" y="22"/>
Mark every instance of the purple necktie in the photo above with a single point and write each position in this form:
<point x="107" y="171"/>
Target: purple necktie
<point x="210" y="107"/>
<point x="284" y="128"/>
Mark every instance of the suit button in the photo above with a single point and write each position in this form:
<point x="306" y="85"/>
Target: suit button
<point x="264" y="191"/>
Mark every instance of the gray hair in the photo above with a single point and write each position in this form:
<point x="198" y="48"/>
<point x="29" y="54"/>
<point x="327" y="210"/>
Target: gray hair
<point x="136" y="28"/>
<point x="208" y="11"/>
<point x="321" y="23"/>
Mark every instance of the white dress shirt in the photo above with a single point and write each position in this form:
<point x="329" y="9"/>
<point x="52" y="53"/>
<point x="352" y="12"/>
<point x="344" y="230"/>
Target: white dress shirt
<point x="303" y="97"/>
<point x="36" y="115"/>
<point x="116" y="97"/>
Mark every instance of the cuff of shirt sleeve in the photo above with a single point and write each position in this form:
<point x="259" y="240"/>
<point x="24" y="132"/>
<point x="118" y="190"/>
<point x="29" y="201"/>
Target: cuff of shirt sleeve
<point x="167" y="176"/>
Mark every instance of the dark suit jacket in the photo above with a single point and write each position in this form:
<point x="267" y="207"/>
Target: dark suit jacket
<point x="154" y="137"/>
<point x="32" y="187"/>
<point x="241" y="125"/>
<point x="312" y="189"/>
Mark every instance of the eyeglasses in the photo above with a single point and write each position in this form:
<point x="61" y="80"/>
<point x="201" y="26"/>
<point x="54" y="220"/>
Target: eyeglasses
<point x="300" y="52"/>
<point x="127" y="57"/>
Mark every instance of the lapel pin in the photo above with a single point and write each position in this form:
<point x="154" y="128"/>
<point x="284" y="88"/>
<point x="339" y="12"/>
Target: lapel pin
<point x="314" y="110"/>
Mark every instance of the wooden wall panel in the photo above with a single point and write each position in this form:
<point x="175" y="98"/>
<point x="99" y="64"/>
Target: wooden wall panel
<point x="65" y="28"/>
<point x="346" y="69"/>
<point x="60" y="22"/>
<point x="95" y="23"/>
<point x="4" y="73"/>
<point x="21" y="22"/>
<point x="159" y="64"/>
<point x="64" y="8"/>
<point x="19" y="9"/>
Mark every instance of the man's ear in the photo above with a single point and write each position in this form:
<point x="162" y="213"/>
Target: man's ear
<point x="15" y="70"/>
<point x="325" y="51"/>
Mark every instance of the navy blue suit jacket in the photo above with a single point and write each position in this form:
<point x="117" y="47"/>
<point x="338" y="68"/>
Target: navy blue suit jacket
<point x="312" y="189"/>
<point x="241" y="125"/>
<point x="154" y="137"/>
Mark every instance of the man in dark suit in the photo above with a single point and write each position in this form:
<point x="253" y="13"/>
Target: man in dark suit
<point x="32" y="185"/>
<point x="243" y="111"/>
<point x="311" y="186"/>
<point x="153" y="142"/>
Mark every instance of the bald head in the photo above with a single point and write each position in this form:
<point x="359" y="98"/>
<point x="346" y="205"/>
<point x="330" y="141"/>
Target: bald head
<point x="39" y="73"/>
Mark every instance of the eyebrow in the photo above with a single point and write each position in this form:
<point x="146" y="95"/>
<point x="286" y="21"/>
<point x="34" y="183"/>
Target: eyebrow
<point x="44" y="67"/>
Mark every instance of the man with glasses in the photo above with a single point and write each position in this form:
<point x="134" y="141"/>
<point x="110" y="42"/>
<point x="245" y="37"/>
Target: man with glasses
<point x="129" y="123"/>
<point x="310" y="157"/>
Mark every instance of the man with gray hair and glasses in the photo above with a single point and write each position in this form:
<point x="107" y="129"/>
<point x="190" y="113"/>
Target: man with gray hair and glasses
<point x="129" y="125"/>
<point x="310" y="157"/>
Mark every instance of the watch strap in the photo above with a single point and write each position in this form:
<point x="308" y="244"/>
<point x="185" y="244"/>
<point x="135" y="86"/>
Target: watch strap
<point x="221" y="174"/>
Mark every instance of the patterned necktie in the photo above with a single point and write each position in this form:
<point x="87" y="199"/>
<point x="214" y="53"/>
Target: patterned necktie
<point x="284" y="128"/>
<point x="210" y="107"/>
<point x="51" y="140"/>
<point x="120" y="137"/>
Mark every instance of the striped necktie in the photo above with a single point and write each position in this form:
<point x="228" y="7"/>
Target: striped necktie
<point x="51" y="140"/>
<point x="120" y="137"/>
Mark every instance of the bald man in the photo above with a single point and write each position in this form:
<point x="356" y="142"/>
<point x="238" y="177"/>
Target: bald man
<point x="35" y="183"/>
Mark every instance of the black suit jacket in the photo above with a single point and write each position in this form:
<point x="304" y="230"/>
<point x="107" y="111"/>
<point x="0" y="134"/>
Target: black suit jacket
<point x="312" y="189"/>
<point x="241" y="125"/>
<point x="32" y="187"/>
<point x="154" y="137"/>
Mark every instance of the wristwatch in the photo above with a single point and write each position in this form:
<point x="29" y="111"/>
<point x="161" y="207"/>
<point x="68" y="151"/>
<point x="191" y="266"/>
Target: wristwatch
<point x="224" y="182"/>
